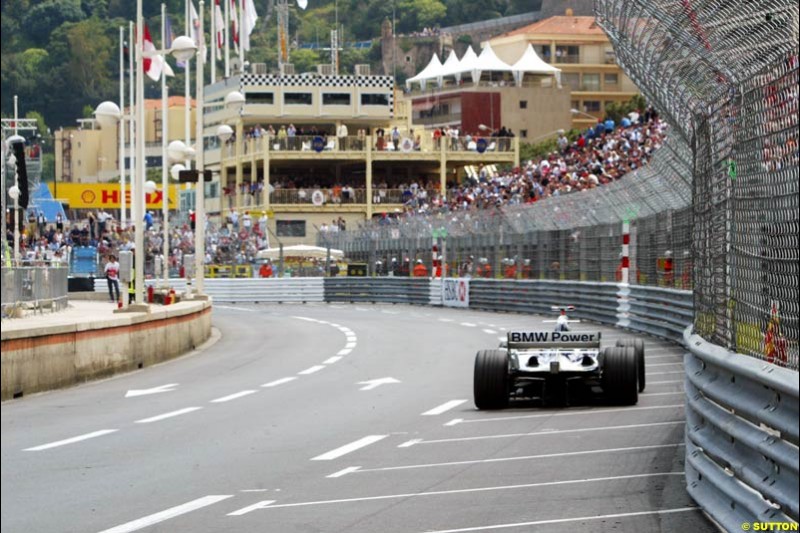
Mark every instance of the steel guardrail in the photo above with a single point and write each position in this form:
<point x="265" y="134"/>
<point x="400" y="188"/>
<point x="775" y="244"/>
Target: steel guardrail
<point x="741" y="436"/>
<point x="38" y="288"/>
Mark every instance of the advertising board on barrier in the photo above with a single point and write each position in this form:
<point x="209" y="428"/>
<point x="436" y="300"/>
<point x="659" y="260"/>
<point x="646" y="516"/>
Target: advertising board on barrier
<point x="455" y="292"/>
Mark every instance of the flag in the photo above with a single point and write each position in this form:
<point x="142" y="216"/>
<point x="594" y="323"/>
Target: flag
<point x="194" y="24"/>
<point x="219" y="22"/>
<point x="249" y="17"/>
<point x="152" y="65"/>
<point x="234" y="26"/>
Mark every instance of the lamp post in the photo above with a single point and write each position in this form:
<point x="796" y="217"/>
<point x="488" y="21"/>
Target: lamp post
<point x="14" y="191"/>
<point x="578" y="112"/>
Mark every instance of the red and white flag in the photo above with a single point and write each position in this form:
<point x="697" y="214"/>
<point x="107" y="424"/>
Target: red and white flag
<point x="249" y="17"/>
<point x="219" y="23"/>
<point x="234" y="26"/>
<point x="153" y="64"/>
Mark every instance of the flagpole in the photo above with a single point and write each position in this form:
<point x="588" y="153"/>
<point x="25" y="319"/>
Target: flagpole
<point x="188" y="95"/>
<point x="227" y="39"/>
<point x="122" y="202"/>
<point x="213" y="43"/>
<point x="141" y="167"/>
<point x="164" y="158"/>
<point x="200" y="210"/>
<point x="131" y="116"/>
<point x="241" y="28"/>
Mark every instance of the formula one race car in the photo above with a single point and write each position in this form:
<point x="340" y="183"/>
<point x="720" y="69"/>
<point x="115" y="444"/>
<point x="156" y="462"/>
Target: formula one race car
<point x="550" y="365"/>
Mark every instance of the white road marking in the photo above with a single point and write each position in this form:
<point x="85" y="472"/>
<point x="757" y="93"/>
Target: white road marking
<point x="279" y="382"/>
<point x="348" y="448"/>
<point x="266" y="505"/>
<point x="311" y="370"/>
<point x="409" y="443"/>
<point x="331" y="324"/>
<point x="187" y="507"/>
<point x="571" y="413"/>
<point x="361" y="309"/>
<point x="664" y="364"/>
<point x="468" y="324"/>
<point x="446" y="320"/>
<point x="375" y="383"/>
<point x="565" y="520"/>
<point x="72" y="440"/>
<point x="545" y="432"/>
<point x="168" y="415"/>
<point x="306" y="319"/>
<point x="234" y="308"/>
<point x="662" y="393"/>
<point x="344" y="471"/>
<point x="662" y="356"/>
<point x="337" y="307"/>
<point x="345" y="351"/>
<point x="331" y="360"/>
<point x="454" y="421"/>
<point x="254" y="507"/>
<point x="489" y="331"/>
<point x="663" y="382"/>
<point x="507" y="459"/>
<point x="665" y="373"/>
<point x="503" y="329"/>
<point x="444" y="407"/>
<point x="351" y="338"/>
<point x="234" y="396"/>
<point x="349" y="345"/>
<point x="390" y="312"/>
<point x="154" y="390"/>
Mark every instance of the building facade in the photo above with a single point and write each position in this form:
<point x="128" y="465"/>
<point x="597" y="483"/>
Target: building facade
<point x="580" y="48"/>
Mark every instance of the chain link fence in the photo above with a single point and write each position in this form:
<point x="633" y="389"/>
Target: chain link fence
<point x="725" y="74"/>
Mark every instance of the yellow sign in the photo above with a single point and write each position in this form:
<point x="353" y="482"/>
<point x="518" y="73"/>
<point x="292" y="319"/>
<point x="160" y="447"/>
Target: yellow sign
<point x="105" y="195"/>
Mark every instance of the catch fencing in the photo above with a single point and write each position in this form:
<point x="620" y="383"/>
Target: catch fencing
<point x="34" y="288"/>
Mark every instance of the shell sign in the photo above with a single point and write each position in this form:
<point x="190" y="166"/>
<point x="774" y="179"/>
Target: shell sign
<point x="106" y="196"/>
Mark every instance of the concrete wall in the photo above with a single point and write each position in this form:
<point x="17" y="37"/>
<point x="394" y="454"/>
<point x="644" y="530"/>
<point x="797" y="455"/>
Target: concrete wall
<point x="64" y="355"/>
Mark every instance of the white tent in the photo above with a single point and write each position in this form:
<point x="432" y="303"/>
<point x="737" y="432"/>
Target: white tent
<point x="300" y="250"/>
<point x="468" y="63"/>
<point x="431" y="72"/>
<point x="451" y="67"/>
<point x="531" y="62"/>
<point x="488" y="61"/>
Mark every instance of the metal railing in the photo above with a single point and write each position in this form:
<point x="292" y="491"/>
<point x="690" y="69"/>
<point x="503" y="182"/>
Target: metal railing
<point x="36" y="288"/>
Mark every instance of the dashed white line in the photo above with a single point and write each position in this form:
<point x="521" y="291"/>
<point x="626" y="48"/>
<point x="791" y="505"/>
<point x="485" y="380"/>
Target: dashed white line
<point x="234" y="308"/>
<point x="279" y="382"/>
<point x="267" y="504"/>
<point x="167" y="514"/>
<point x="306" y="319"/>
<point x="311" y="370"/>
<point x="344" y="471"/>
<point x="454" y="421"/>
<point x="444" y="407"/>
<point x="468" y="324"/>
<point x="234" y="396"/>
<point x="538" y="433"/>
<point x="344" y="351"/>
<point x="72" y="440"/>
<point x="446" y="320"/>
<point x="390" y="312"/>
<point x="331" y="360"/>
<point x="490" y="331"/>
<point x="171" y="414"/>
<point x="565" y="520"/>
<point x="349" y="346"/>
<point x="348" y="448"/>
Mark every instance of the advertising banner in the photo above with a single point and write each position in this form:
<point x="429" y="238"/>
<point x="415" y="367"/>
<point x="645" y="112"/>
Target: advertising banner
<point x="455" y="292"/>
<point x="106" y="195"/>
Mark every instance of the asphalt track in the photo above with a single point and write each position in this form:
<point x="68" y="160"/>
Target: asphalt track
<point x="343" y="418"/>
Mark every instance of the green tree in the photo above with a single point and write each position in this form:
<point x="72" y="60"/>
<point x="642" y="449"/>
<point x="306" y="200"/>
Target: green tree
<point x="305" y="60"/>
<point x="41" y="19"/>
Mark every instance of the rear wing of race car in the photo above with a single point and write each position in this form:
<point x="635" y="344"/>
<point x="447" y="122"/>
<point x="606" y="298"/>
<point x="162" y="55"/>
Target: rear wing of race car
<point x="553" y="339"/>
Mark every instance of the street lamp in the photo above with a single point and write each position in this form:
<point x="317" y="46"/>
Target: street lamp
<point x="577" y="112"/>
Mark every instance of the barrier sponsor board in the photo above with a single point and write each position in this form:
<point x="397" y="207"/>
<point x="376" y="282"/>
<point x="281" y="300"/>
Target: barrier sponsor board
<point x="106" y="195"/>
<point x="455" y="292"/>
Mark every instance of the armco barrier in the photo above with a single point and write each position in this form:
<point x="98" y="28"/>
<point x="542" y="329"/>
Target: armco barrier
<point x="260" y="290"/>
<point x="741" y="436"/>
<point x="398" y="290"/>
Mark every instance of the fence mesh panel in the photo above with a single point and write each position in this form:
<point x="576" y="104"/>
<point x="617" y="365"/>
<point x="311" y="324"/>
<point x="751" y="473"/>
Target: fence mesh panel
<point x="725" y="74"/>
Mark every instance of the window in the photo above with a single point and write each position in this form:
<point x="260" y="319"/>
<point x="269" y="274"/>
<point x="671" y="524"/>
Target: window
<point x="591" y="106"/>
<point x="574" y="104"/>
<point x="290" y="228"/>
<point x="335" y="99"/>
<point x="591" y="82"/>
<point x="567" y="54"/>
<point x="571" y="80"/>
<point x="297" y="98"/>
<point x="611" y="79"/>
<point x="523" y="134"/>
<point x="523" y="104"/>
<point x="408" y="59"/>
<point x="261" y="98"/>
<point x="375" y="99"/>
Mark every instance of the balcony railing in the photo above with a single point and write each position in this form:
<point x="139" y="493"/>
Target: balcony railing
<point x="335" y="196"/>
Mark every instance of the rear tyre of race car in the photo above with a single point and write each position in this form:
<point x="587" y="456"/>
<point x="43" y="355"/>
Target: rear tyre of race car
<point x="638" y="348"/>
<point x="490" y="386"/>
<point x="620" y="375"/>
